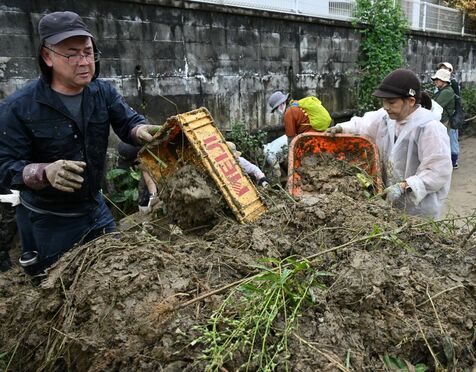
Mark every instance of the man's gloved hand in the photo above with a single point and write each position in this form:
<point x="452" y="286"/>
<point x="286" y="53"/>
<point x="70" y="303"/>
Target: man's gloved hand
<point x="263" y="182"/>
<point x="145" y="132"/>
<point x="394" y="192"/>
<point x="332" y="131"/>
<point x="64" y="175"/>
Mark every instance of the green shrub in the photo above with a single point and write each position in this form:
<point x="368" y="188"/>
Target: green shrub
<point x="250" y="144"/>
<point x="468" y="100"/>
<point x="384" y="35"/>
<point x="125" y="193"/>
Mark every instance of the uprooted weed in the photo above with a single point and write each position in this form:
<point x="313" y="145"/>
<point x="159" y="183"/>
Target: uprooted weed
<point x="257" y="317"/>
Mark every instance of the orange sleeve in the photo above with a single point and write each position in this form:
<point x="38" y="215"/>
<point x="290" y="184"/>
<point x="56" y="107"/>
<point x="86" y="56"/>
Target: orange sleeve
<point x="290" y="124"/>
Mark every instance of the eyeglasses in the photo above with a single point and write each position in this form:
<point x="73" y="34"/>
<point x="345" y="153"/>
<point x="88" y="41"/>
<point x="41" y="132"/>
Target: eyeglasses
<point x="75" y="59"/>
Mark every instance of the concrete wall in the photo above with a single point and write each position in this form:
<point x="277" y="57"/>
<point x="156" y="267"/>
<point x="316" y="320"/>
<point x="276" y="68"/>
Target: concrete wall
<point x="226" y="59"/>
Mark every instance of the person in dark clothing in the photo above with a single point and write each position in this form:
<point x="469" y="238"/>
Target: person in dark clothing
<point x="445" y="97"/>
<point x="53" y="141"/>
<point x="8" y="229"/>
<point x="453" y="133"/>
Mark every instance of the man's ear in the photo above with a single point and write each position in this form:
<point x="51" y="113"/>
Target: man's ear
<point x="45" y="54"/>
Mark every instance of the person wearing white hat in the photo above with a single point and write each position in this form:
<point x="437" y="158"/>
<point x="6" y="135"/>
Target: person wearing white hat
<point x="453" y="133"/>
<point x="445" y="65"/>
<point x="445" y="97"/>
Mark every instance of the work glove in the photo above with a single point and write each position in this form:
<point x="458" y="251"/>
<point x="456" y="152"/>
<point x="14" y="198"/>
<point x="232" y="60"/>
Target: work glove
<point x="64" y="175"/>
<point x="332" y="131"/>
<point x="393" y="192"/>
<point x="263" y="182"/>
<point x="153" y="200"/>
<point x="145" y="132"/>
<point x="13" y="198"/>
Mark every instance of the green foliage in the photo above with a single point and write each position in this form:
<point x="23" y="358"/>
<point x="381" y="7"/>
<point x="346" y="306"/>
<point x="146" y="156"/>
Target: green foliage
<point x="3" y="361"/>
<point x="255" y="319"/>
<point x="125" y="193"/>
<point x="384" y="36"/>
<point x="399" y="365"/>
<point x="468" y="100"/>
<point x="250" y="144"/>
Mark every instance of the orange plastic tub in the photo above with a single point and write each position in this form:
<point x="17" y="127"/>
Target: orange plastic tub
<point x="357" y="150"/>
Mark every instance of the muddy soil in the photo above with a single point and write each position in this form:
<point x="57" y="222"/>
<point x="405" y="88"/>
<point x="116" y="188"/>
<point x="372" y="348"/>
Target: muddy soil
<point x="191" y="198"/>
<point x="399" y="286"/>
<point x="323" y="173"/>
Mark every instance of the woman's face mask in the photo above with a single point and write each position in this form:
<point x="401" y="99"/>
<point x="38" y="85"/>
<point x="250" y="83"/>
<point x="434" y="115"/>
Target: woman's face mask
<point x="281" y="108"/>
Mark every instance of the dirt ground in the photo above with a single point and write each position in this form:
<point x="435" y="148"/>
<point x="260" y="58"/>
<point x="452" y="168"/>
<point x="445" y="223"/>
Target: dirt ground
<point x="462" y="196"/>
<point x="379" y="289"/>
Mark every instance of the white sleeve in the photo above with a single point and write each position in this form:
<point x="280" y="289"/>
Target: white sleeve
<point x="366" y="125"/>
<point x="435" y="162"/>
<point x="250" y="168"/>
<point x="436" y="109"/>
<point x="273" y="149"/>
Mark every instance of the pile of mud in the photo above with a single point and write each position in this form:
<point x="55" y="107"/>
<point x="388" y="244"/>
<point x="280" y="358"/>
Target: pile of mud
<point x="324" y="174"/>
<point x="399" y="286"/>
<point x="190" y="197"/>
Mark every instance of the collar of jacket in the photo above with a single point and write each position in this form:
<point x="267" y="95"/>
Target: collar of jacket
<point x="47" y="96"/>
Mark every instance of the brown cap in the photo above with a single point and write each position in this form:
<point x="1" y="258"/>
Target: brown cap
<point x="400" y="83"/>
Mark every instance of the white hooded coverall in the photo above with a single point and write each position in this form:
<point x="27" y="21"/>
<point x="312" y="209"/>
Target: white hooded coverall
<point x="415" y="150"/>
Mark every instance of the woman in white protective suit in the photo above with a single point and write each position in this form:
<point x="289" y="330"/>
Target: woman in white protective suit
<point x="414" y="148"/>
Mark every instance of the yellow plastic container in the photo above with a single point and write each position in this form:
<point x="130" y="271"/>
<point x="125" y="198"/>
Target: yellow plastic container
<point x="192" y="138"/>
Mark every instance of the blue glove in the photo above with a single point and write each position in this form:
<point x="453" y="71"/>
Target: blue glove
<point x="393" y="192"/>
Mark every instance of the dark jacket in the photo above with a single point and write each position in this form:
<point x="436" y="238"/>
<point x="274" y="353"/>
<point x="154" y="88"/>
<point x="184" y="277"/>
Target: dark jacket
<point x="35" y="127"/>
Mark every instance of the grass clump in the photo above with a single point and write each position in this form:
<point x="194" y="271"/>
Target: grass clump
<point x="254" y="321"/>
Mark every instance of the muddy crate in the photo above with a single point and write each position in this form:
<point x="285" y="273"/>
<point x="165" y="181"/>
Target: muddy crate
<point x="192" y="138"/>
<point x="357" y="150"/>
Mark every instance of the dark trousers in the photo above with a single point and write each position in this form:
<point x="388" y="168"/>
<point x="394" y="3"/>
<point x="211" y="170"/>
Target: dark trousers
<point x="51" y="236"/>
<point x="8" y="229"/>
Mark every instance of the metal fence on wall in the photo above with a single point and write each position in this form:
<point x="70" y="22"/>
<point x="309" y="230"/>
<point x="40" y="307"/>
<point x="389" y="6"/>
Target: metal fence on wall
<point x="421" y="15"/>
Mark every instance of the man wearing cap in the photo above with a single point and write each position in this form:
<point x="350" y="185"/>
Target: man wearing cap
<point x="296" y="119"/>
<point x="53" y="141"/>
<point x="445" y="69"/>
<point x="414" y="147"/>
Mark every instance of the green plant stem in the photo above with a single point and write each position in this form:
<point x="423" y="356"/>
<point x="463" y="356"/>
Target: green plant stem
<point x="308" y="258"/>
<point x="156" y="158"/>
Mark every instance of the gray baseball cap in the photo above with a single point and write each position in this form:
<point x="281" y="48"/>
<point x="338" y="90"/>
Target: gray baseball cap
<point x="58" y="26"/>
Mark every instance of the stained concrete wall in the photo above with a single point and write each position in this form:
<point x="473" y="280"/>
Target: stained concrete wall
<point x="226" y="59"/>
